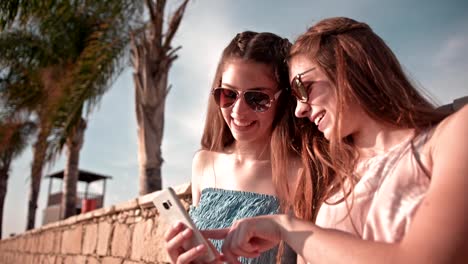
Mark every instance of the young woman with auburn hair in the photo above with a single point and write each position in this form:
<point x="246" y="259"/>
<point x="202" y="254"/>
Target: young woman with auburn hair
<point x="393" y="170"/>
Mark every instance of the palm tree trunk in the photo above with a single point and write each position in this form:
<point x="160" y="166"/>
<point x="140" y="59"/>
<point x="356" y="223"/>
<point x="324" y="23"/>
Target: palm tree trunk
<point x="152" y="57"/>
<point x="70" y="178"/>
<point x="150" y="103"/>
<point x="40" y="148"/>
<point x="16" y="133"/>
<point x="3" y="189"/>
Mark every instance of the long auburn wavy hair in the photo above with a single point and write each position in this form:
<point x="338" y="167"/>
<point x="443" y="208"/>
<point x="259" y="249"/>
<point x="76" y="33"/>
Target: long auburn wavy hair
<point x="363" y="69"/>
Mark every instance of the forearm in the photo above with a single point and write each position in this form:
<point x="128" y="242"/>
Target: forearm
<point x="318" y="245"/>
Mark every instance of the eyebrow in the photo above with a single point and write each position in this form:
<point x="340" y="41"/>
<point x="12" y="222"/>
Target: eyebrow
<point x="304" y="72"/>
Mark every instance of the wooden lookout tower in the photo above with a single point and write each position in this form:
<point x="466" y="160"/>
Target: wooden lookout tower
<point x="85" y="201"/>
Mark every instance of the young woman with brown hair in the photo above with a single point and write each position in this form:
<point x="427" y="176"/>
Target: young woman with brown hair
<point x="250" y="113"/>
<point x="393" y="170"/>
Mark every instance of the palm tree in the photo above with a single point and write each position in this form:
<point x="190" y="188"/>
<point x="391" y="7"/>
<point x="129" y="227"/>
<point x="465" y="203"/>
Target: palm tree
<point x="152" y="57"/>
<point x="25" y="88"/>
<point x="17" y="133"/>
<point x="77" y="48"/>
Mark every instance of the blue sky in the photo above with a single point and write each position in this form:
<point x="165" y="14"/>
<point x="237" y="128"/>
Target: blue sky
<point x="429" y="37"/>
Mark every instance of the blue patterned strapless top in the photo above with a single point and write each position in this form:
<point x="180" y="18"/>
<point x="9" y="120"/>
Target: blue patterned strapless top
<point x="219" y="208"/>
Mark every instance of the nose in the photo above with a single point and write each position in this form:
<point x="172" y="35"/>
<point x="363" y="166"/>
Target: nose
<point x="240" y="106"/>
<point x="302" y="109"/>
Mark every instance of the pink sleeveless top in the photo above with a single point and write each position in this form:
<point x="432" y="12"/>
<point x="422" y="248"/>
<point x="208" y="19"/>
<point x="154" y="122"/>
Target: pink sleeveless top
<point x="386" y="197"/>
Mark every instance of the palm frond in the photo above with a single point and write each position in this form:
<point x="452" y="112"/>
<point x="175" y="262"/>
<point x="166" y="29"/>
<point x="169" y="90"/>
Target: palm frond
<point x="25" y="49"/>
<point x="15" y="135"/>
<point x="21" y="11"/>
<point x="84" y="42"/>
<point x="94" y="70"/>
<point x="174" y="24"/>
<point x="19" y="92"/>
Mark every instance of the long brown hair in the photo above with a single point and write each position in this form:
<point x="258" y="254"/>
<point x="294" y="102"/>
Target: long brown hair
<point x="364" y="70"/>
<point x="272" y="50"/>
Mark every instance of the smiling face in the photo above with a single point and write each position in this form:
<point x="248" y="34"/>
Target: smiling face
<point x="245" y="124"/>
<point x="321" y="105"/>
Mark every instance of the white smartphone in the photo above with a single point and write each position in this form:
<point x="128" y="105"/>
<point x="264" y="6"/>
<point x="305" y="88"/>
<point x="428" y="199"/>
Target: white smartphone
<point x="171" y="210"/>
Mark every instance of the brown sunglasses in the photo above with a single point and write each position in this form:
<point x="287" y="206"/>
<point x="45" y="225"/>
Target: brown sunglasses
<point x="258" y="101"/>
<point x="298" y="89"/>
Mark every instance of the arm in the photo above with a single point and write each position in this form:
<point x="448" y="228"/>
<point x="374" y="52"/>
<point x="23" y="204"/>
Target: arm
<point x="443" y="239"/>
<point x="438" y="233"/>
<point x="177" y="235"/>
<point x="251" y="236"/>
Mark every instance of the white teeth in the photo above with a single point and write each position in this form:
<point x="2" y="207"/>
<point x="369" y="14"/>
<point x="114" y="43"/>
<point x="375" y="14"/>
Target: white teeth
<point x="319" y="118"/>
<point x="242" y="124"/>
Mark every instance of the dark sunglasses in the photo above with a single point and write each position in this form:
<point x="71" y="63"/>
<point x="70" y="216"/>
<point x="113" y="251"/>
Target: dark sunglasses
<point x="258" y="101"/>
<point x="298" y="89"/>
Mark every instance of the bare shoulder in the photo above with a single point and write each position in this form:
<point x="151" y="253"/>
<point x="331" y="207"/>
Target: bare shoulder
<point x="454" y="127"/>
<point x="447" y="145"/>
<point x="200" y="161"/>
<point x="445" y="200"/>
<point x="201" y="156"/>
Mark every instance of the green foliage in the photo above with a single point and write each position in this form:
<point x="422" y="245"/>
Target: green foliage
<point x="59" y="57"/>
<point x="17" y="134"/>
<point x="22" y="57"/>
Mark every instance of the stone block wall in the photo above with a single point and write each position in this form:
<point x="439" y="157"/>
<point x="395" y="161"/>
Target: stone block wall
<point x="126" y="233"/>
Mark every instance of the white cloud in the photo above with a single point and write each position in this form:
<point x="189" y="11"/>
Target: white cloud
<point x="454" y="52"/>
<point x="449" y="65"/>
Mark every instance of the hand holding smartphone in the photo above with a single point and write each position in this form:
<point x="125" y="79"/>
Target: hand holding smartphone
<point x="171" y="211"/>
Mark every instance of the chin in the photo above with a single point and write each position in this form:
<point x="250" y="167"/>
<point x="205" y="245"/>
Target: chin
<point x="327" y="134"/>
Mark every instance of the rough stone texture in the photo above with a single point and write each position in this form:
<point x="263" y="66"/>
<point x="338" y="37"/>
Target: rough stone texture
<point x="28" y="259"/>
<point x="71" y="240"/>
<point x="47" y="242"/>
<point x="104" y="231"/>
<point x="33" y="245"/>
<point x="22" y="243"/>
<point x="111" y="260"/>
<point x="75" y="260"/>
<point x="121" y="240"/>
<point x="6" y="257"/>
<point x="93" y="261"/>
<point x="57" y="242"/>
<point x="129" y="233"/>
<point x="36" y="259"/>
<point x="48" y="260"/>
<point x="138" y="240"/>
<point x="142" y="241"/>
<point x="159" y="250"/>
<point x="21" y="258"/>
<point x="90" y="239"/>
<point x="130" y="262"/>
<point x="59" y="260"/>
<point x="27" y="243"/>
